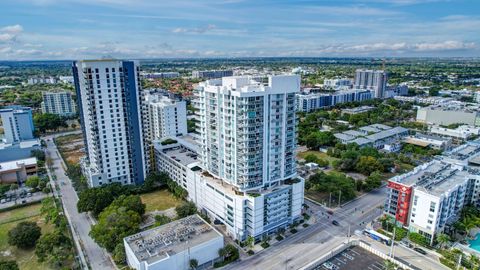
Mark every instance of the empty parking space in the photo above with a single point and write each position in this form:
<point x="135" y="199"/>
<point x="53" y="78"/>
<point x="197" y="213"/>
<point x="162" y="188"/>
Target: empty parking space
<point x="354" y="258"/>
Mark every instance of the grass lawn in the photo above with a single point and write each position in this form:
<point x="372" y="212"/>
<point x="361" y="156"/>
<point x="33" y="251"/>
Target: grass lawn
<point x="26" y="259"/>
<point x="159" y="200"/>
<point x="319" y="155"/>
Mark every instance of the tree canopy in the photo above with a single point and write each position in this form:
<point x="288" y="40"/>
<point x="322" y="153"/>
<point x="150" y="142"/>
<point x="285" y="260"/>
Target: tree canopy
<point x="24" y="235"/>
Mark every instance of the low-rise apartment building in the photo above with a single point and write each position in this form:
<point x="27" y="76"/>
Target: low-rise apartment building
<point x="429" y="199"/>
<point x="379" y="136"/>
<point x="307" y="102"/>
<point x="17" y="171"/>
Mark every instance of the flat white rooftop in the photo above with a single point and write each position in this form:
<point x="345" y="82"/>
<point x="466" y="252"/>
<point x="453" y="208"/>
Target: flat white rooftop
<point x="167" y="240"/>
<point x="16" y="164"/>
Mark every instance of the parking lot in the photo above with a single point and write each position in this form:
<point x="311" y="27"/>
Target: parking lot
<point x="353" y="258"/>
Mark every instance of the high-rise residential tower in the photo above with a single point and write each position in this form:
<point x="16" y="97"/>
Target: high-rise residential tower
<point x="17" y="124"/>
<point x="110" y="103"/>
<point x="240" y="167"/>
<point x="166" y="117"/>
<point x="248" y="128"/>
<point x="59" y="102"/>
<point x="375" y="80"/>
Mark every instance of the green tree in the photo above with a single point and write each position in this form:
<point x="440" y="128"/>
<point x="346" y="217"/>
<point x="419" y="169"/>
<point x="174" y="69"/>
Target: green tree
<point x="47" y="121"/>
<point x="119" y="255"/>
<point x="8" y="265"/>
<point x="131" y="202"/>
<point x="250" y="241"/>
<point x="418" y="239"/>
<point x="193" y="264"/>
<point x="368" y="164"/>
<point x="161" y="220"/>
<point x="13" y="187"/>
<point x="24" y="235"/>
<point x="39" y="154"/>
<point x="55" y="248"/>
<point x="96" y="199"/>
<point x="186" y="209"/>
<point x="32" y="181"/>
<point x="114" y="224"/>
<point x="443" y="239"/>
<point x="373" y="181"/>
<point x="388" y="265"/>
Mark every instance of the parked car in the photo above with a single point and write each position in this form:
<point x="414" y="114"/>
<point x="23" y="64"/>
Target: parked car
<point x="405" y="244"/>
<point x="421" y="251"/>
<point x="330" y="212"/>
<point x="334" y="222"/>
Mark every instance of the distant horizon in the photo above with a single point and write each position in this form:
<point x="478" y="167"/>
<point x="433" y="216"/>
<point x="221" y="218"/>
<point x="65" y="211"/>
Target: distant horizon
<point x="254" y="57"/>
<point x="146" y="29"/>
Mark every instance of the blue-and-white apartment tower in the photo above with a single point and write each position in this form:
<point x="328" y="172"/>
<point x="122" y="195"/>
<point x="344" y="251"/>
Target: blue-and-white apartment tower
<point x="109" y="100"/>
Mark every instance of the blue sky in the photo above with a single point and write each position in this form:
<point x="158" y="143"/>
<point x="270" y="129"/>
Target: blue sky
<point x="77" y="29"/>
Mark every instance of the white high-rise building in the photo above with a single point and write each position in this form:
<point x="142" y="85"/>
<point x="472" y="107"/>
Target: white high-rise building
<point x="60" y="103"/>
<point x="375" y="80"/>
<point x="17" y="124"/>
<point x="248" y="130"/>
<point x="166" y="117"/>
<point x="110" y="103"/>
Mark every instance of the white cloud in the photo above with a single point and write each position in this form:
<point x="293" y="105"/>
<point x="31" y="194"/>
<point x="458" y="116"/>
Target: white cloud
<point x="10" y="33"/>
<point x="198" y="30"/>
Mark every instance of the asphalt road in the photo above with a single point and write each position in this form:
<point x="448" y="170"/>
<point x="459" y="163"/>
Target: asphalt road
<point x="97" y="257"/>
<point x="318" y="239"/>
<point x="410" y="256"/>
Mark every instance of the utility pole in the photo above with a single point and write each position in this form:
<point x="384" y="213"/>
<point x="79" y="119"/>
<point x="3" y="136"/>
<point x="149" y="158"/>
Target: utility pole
<point x="340" y="198"/>
<point x="393" y="242"/>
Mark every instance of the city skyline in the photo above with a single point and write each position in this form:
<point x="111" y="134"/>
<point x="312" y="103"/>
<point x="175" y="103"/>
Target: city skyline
<point x="71" y="29"/>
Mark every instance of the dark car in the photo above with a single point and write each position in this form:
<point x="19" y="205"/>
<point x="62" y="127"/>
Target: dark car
<point x="334" y="222"/>
<point x="330" y="212"/>
<point x="421" y="251"/>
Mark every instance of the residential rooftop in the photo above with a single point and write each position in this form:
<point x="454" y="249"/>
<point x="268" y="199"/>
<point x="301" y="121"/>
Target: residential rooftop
<point x="16" y="164"/>
<point x="177" y="236"/>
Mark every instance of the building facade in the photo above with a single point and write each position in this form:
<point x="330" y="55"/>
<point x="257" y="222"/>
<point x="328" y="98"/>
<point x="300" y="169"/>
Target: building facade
<point x="166" y="117"/>
<point x="17" y="124"/>
<point x="248" y="129"/>
<point x="17" y="171"/>
<point x="315" y="101"/>
<point x="447" y="114"/>
<point x="211" y="74"/>
<point x="375" y="80"/>
<point x="429" y="199"/>
<point x="60" y="103"/>
<point x="110" y="103"/>
<point x="173" y="245"/>
<point x="241" y="170"/>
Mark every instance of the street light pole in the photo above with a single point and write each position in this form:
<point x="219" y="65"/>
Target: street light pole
<point x="393" y="242"/>
<point x="340" y="198"/>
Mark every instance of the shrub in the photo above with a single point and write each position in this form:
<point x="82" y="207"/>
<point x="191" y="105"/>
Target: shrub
<point x="265" y="245"/>
<point x="279" y="238"/>
<point x="293" y="230"/>
<point x="305" y="225"/>
<point x="250" y="252"/>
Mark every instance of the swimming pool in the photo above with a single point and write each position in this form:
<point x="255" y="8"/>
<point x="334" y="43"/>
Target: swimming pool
<point x="475" y="243"/>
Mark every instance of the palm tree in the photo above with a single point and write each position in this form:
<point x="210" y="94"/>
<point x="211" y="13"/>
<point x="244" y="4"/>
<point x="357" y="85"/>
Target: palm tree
<point x="475" y="261"/>
<point x="388" y="265"/>
<point x="443" y="239"/>
<point x="250" y="241"/>
<point x="193" y="263"/>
